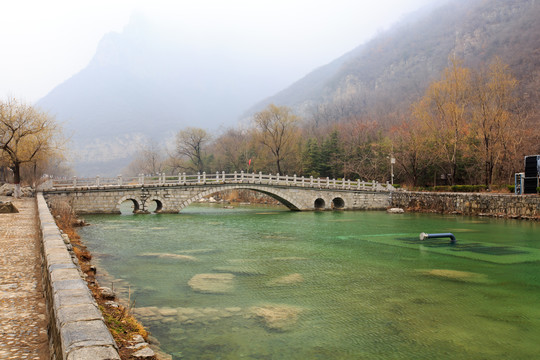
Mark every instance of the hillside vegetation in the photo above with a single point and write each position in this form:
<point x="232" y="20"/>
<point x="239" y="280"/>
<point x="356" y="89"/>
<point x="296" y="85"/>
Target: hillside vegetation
<point x="382" y="78"/>
<point x="451" y="94"/>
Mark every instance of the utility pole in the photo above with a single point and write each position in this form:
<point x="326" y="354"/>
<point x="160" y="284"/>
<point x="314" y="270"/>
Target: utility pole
<point x="392" y="162"/>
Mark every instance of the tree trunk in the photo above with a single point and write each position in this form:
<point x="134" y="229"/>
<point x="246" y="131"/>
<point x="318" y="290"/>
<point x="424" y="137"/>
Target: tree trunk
<point x="17" y="179"/>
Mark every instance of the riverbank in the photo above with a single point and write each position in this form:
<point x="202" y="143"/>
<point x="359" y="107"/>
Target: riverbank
<point x="128" y="333"/>
<point x="526" y="207"/>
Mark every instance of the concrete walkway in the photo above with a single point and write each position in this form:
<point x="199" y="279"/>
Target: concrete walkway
<point x="23" y="323"/>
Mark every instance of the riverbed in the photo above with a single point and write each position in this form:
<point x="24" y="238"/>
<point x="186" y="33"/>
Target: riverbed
<point x="267" y="283"/>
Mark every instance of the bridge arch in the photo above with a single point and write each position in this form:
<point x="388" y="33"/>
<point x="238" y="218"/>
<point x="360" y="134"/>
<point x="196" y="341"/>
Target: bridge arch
<point x="338" y="203"/>
<point x="319" y="204"/>
<point x="160" y="204"/>
<point x="134" y="199"/>
<point x="282" y="197"/>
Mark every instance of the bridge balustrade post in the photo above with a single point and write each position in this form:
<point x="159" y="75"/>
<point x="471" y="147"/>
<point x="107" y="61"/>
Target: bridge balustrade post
<point x="373" y="185"/>
<point x="311" y="181"/>
<point x="260" y="177"/>
<point x="179" y="178"/>
<point x="185" y="178"/>
<point x="334" y="183"/>
<point x="358" y="184"/>
<point x="164" y="179"/>
<point x="277" y="179"/>
<point x="235" y="175"/>
<point x="286" y="179"/>
<point x="303" y="181"/>
<point x="223" y="176"/>
<point x="198" y="177"/>
<point x="349" y="184"/>
<point x="327" y="182"/>
<point x="159" y="179"/>
<point x="217" y="177"/>
<point x="319" y="182"/>
<point x="269" y="179"/>
<point x="204" y="177"/>
<point x="119" y="177"/>
<point x="74" y="181"/>
<point x="142" y="179"/>
<point x="294" y="180"/>
<point x="242" y="176"/>
<point x="253" y="177"/>
<point x="97" y="180"/>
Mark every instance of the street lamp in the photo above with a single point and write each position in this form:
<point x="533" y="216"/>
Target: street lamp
<point x="392" y="162"/>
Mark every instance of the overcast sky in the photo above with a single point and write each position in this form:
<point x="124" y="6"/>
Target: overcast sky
<point x="46" y="42"/>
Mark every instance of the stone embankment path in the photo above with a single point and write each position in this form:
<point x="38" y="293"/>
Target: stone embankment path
<point x="23" y="322"/>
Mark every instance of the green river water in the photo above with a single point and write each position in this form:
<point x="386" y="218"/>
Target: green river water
<point x="325" y="285"/>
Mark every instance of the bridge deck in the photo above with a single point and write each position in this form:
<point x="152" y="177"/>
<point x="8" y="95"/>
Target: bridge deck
<point x="217" y="179"/>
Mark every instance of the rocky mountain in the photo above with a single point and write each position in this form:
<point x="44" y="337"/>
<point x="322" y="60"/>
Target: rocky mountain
<point x="145" y="83"/>
<point x="382" y="77"/>
<point x="150" y="81"/>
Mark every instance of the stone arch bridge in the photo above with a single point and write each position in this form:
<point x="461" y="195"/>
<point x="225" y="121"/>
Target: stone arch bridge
<point x="170" y="194"/>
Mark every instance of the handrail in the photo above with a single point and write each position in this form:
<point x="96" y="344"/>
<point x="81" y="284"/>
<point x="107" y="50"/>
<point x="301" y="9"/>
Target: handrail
<point x="218" y="178"/>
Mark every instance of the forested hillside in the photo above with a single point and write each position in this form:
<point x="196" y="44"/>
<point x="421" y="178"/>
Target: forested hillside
<point x="451" y="94"/>
<point x="383" y="77"/>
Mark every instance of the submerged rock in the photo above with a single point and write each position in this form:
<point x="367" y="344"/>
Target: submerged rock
<point x="455" y="275"/>
<point x="291" y="279"/>
<point x="239" y="270"/>
<point x="395" y="211"/>
<point x="198" y="251"/>
<point x="289" y="258"/>
<point x="170" y="256"/>
<point x="276" y="317"/>
<point x="212" y="283"/>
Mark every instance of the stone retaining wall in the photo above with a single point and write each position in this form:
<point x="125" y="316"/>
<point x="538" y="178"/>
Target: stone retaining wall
<point x="507" y="205"/>
<point x="76" y="327"/>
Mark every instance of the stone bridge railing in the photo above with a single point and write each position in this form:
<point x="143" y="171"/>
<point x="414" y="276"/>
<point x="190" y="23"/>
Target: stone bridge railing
<point x="219" y="178"/>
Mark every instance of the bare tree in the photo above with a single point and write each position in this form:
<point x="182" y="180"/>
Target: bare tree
<point x="148" y="160"/>
<point x="27" y="135"/>
<point x="191" y="144"/>
<point x="494" y="123"/>
<point x="278" y="128"/>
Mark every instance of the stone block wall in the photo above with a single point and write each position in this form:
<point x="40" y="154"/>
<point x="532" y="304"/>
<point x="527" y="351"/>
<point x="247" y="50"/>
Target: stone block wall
<point x="507" y="205"/>
<point x="76" y="327"/>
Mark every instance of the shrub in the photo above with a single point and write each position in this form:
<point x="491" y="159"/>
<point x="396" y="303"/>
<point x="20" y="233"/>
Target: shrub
<point x="511" y="188"/>
<point x="538" y="190"/>
<point x="468" y="188"/>
<point x="442" y="188"/>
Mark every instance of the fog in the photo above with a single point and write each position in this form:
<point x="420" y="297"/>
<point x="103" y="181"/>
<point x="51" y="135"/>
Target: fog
<point x="48" y="42"/>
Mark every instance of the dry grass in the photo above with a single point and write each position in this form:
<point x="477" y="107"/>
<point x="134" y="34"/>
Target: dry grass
<point x="119" y="318"/>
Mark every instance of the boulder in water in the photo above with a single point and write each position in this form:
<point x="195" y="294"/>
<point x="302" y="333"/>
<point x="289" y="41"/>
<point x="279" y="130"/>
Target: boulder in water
<point x="212" y="283"/>
<point x="291" y="279"/>
<point x="276" y="317"/>
<point x="455" y="275"/>
<point x="171" y="256"/>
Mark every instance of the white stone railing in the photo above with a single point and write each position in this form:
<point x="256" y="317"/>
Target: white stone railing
<point x="220" y="178"/>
